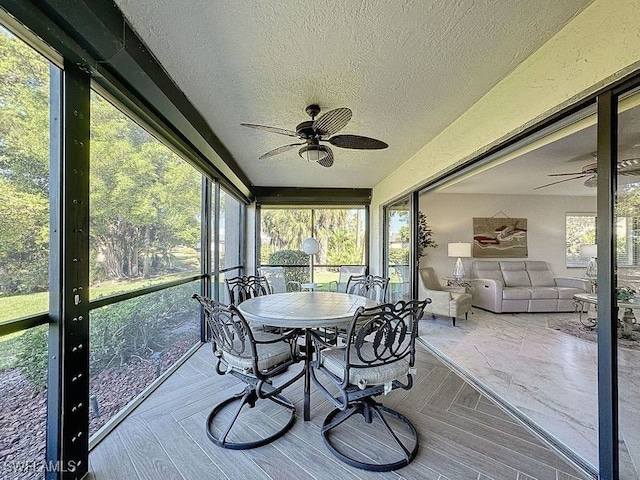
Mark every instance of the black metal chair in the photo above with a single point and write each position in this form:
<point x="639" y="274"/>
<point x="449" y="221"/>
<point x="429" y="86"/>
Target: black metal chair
<point x="255" y="357"/>
<point x="370" y="286"/>
<point x="242" y="288"/>
<point x="378" y="357"/>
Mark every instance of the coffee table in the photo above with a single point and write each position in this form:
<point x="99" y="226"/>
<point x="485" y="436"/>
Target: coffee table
<point x="591" y="318"/>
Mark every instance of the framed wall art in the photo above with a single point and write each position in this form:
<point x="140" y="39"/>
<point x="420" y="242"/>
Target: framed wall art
<point x="500" y="237"/>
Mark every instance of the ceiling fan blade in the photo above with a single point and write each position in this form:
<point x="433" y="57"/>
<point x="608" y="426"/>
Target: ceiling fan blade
<point x="332" y="121"/>
<point x="278" y="150"/>
<point x="281" y="131"/>
<point x="328" y="160"/>
<point x="592" y="181"/>
<point x="563" y="174"/>
<point x="560" y="181"/>
<point x="358" y="142"/>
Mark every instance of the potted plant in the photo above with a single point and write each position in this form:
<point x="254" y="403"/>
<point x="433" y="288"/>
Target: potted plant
<point x="425" y="236"/>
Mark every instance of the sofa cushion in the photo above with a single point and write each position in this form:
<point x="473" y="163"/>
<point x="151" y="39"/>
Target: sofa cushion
<point x="567" y="293"/>
<point x="491" y="270"/>
<point x="541" y="278"/>
<point x="536" y="265"/>
<point x="543" y="293"/>
<point x="511" y="265"/>
<point x="516" y="294"/>
<point x="516" y="278"/>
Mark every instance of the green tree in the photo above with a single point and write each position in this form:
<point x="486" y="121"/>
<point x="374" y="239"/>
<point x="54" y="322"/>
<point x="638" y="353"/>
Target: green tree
<point x="145" y="200"/>
<point x="24" y="167"/>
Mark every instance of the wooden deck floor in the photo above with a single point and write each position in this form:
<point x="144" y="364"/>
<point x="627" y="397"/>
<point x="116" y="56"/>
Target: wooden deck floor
<point x="463" y="435"/>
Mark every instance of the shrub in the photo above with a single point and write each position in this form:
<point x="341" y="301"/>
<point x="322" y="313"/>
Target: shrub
<point x="292" y="257"/>
<point x="32" y="355"/>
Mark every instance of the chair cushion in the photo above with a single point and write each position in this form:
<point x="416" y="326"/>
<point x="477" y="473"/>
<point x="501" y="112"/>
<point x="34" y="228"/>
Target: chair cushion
<point x="269" y="355"/>
<point x="516" y="278"/>
<point x="333" y="360"/>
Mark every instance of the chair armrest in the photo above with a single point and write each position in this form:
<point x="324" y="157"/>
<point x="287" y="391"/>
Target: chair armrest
<point x="440" y="300"/>
<point x="487" y="294"/>
<point x="574" y="283"/>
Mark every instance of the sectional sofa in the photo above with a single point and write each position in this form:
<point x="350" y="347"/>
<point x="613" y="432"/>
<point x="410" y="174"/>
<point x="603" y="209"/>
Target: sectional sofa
<point x="523" y="286"/>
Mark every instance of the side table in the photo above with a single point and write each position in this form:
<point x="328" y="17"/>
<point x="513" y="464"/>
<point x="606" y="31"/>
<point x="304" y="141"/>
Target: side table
<point x="462" y="285"/>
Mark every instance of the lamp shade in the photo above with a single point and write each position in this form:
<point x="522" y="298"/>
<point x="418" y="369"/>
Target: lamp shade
<point x="589" y="250"/>
<point x="310" y="246"/>
<point x="459" y="249"/>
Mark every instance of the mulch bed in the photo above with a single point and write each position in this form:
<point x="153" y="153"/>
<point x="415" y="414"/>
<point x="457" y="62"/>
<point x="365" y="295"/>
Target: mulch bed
<point x="23" y="408"/>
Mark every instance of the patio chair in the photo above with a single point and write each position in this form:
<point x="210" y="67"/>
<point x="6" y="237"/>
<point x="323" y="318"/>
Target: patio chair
<point x="444" y="302"/>
<point x="343" y="278"/>
<point x="277" y="280"/>
<point x="378" y="357"/>
<point x="242" y="288"/>
<point x="254" y="357"/>
<point x="371" y="286"/>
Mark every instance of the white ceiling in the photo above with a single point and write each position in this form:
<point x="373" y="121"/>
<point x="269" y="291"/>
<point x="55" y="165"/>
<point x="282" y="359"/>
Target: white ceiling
<point x="406" y="68"/>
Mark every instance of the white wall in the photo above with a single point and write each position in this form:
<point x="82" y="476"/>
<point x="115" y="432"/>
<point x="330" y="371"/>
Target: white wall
<point x="593" y="50"/>
<point x="451" y="218"/>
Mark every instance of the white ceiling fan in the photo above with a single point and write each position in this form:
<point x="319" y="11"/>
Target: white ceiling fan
<point x="629" y="166"/>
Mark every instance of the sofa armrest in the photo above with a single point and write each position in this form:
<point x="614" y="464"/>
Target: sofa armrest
<point x="487" y="294"/>
<point x="573" y="283"/>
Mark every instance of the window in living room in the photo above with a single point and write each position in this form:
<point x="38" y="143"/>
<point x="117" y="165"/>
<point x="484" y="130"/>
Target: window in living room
<point x="580" y="230"/>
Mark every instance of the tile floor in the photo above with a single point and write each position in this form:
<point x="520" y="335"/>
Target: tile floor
<point x="548" y="376"/>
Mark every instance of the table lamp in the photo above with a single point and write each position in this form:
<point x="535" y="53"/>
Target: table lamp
<point x="311" y="247"/>
<point x="590" y="251"/>
<point x="460" y="250"/>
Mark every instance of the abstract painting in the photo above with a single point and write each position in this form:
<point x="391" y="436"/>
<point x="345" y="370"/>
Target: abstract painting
<point x="500" y="237"/>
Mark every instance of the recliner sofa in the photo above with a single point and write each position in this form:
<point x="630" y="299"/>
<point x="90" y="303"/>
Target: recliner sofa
<point x="523" y="286"/>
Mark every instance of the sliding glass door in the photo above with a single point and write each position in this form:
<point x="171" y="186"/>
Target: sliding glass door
<point x="398" y="248"/>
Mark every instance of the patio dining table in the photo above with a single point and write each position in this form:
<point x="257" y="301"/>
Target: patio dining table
<point x="305" y="311"/>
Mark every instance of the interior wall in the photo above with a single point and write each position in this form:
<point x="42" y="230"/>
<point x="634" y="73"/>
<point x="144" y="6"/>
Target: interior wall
<point x="597" y="47"/>
<point x="451" y="218"/>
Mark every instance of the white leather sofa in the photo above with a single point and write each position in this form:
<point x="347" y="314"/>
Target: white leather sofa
<point x="523" y="286"/>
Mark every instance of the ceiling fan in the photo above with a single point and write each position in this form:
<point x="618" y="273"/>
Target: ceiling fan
<point x="313" y="131"/>
<point x="629" y="166"/>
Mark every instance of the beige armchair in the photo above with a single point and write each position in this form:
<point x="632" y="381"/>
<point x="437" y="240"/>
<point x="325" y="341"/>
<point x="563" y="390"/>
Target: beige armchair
<point x="444" y="302"/>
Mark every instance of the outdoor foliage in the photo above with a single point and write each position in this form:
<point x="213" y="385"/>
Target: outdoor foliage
<point x="118" y="333"/>
<point x="138" y="327"/>
<point x="145" y="201"/>
<point x="292" y="257"/>
<point x="339" y="231"/>
<point x="24" y="167"/>
<point x="32" y="355"/>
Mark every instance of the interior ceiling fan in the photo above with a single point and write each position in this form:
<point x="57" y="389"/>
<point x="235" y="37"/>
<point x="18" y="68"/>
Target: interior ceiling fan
<point x="313" y="131"/>
<point x="629" y="166"/>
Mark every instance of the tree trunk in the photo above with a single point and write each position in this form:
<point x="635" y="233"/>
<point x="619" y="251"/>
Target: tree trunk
<point x="147" y="252"/>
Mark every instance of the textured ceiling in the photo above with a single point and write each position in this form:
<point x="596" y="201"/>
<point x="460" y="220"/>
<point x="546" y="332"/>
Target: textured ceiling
<point x="406" y="68"/>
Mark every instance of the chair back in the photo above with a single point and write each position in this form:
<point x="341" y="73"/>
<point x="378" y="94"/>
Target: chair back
<point x="275" y="278"/>
<point x="346" y="272"/>
<point x="429" y="279"/>
<point x="230" y="332"/>
<point x="242" y="288"/>
<point x="390" y="331"/>
<point x="371" y="286"/>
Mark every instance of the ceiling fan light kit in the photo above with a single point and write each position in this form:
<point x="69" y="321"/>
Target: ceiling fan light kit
<point x="313" y="153"/>
<point x="313" y="131"/>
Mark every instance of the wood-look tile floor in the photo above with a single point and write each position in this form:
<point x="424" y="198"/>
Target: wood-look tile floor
<point x="463" y="435"/>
